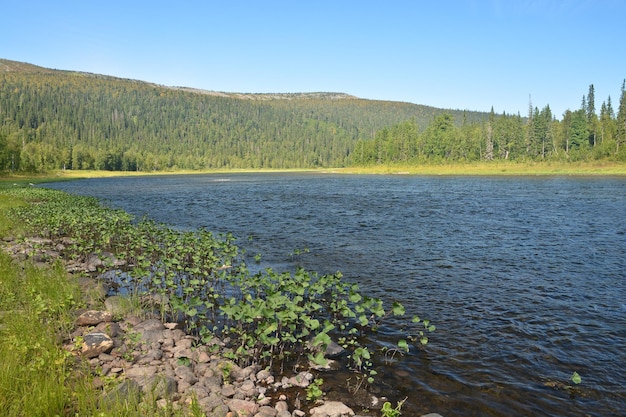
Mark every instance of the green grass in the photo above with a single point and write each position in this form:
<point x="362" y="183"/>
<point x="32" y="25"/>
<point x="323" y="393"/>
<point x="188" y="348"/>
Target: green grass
<point x="495" y="168"/>
<point x="475" y="168"/>
<point x="34" y="369"/>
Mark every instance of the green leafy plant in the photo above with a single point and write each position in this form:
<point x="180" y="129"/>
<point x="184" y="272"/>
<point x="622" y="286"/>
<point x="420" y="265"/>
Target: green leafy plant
<point x="200" y="280"/>
<point x="576" y="378"/>
<point x="389" y="410"/>
<point x="314" y="390"/>
<point x="183" y="361"/>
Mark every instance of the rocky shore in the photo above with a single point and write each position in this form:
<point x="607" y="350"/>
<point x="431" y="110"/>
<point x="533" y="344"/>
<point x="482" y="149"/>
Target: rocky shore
<point x="137" y="357"/>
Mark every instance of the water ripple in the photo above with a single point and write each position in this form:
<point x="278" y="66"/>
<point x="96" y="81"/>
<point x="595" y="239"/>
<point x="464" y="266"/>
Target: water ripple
<point x="524" y="277"/>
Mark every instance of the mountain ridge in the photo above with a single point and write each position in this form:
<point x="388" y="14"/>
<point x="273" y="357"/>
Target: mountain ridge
<point x="8" y="65"/>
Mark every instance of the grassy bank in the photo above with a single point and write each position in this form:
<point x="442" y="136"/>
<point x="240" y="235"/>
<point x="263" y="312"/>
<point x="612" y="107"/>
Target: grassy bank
<point x="480" y="168"/>
<point x="37" y="310"/>
<point x="495" y="168"/>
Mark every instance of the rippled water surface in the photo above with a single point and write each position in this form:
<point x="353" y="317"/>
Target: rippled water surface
<point x="524" y="277"/>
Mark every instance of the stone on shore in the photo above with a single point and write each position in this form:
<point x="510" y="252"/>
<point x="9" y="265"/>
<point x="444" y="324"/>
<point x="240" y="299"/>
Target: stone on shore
<point x="96" y="343"/>
<point x="93" y="318"/>
<point x="242" y="408"/>
<point x="332" y="409"/>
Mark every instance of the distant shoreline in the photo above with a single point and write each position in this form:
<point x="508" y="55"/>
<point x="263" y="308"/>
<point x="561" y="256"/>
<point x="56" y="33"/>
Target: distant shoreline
<point x="470" y="169"/>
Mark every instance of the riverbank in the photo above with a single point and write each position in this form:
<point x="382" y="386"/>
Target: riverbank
<point x="603" y="168"/>
<point x="124" y="349"/>
<point x="496" y="169"/>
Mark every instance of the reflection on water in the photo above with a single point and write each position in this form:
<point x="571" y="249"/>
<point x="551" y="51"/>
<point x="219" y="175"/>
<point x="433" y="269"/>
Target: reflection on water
<point x="524" y="277"/>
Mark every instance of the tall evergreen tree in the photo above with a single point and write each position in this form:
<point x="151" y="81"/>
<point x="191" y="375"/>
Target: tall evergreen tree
<point x="592" y="117"/>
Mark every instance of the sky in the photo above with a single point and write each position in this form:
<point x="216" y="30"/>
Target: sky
<point x="463" y="54"/>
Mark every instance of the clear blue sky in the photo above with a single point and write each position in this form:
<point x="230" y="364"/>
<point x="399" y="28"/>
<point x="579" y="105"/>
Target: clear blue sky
<point x="465" y="54"/>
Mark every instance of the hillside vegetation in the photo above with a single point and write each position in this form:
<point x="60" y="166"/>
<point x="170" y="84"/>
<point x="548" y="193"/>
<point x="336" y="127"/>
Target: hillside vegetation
<point x="52" y="119"/>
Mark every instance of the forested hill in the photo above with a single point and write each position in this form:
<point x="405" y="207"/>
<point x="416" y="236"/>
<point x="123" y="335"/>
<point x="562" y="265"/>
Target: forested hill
<point x="63" y="119"/>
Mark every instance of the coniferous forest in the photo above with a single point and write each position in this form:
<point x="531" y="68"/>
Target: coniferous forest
<point x="52" y="119"/>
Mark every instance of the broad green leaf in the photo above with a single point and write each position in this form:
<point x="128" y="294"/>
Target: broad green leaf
<point x="403" y="345"/>
<point x="321" y="339"/>
<point x="355" y="297"/>
<point x="318" y="359"/>
<point x="398" y="309"/>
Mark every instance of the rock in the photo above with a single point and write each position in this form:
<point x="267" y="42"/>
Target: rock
<point x="198" y="392"/>
<point x="150" y="324"/>
<point x="93" y="317"/>
<point x="105" y="357"/>
<point x="212" y="402"/>
<point x="128" y="391"/>
<point x="432" y="415"/>
<point x="263" y="374"/>
<point x="185" y="374"/>
<point x="213" y="384"/>
<point x="110" y="328"/>
<point x="137" y="372"/>
<point x="242" y="408"/>
<point x="203" y="357"/>
<point x="281" y="406"/>
<point x="151" y="330"/>
<point x="228" y="391"/>
<point x="108" y="259"/>
<point x="332" y="409"/>
<point x="92" y="263"/>
<point x="148" y="358"/>
<point x="96" y="343"/>
<point x="174" y="335"/>
<point x="220" y="411"/>
<point x="92" y="290"/>
<point x="248" y="389"/>
<point x="116" y="305"/>
<point x="39" y="241"/>
<point x="184" y="343"/>
<point x="303" y="379"/>
<point x="182" y="352"/>
<point x="236" y="373"/>
<point x="266" y="411"/>
<point x="158" y="386"/>
<point x="333" y="350"/>
<point x="263" y="400"/>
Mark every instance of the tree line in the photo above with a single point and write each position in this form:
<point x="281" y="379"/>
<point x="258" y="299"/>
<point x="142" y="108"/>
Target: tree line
<point x="53" y="119"/>
<point x="581" y="134"/>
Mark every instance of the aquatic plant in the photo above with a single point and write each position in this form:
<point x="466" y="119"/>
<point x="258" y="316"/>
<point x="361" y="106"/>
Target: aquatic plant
<point x="201" y="280"/>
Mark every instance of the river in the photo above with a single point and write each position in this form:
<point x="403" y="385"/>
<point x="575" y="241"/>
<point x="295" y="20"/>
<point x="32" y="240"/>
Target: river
<point x="524" y="277"/>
